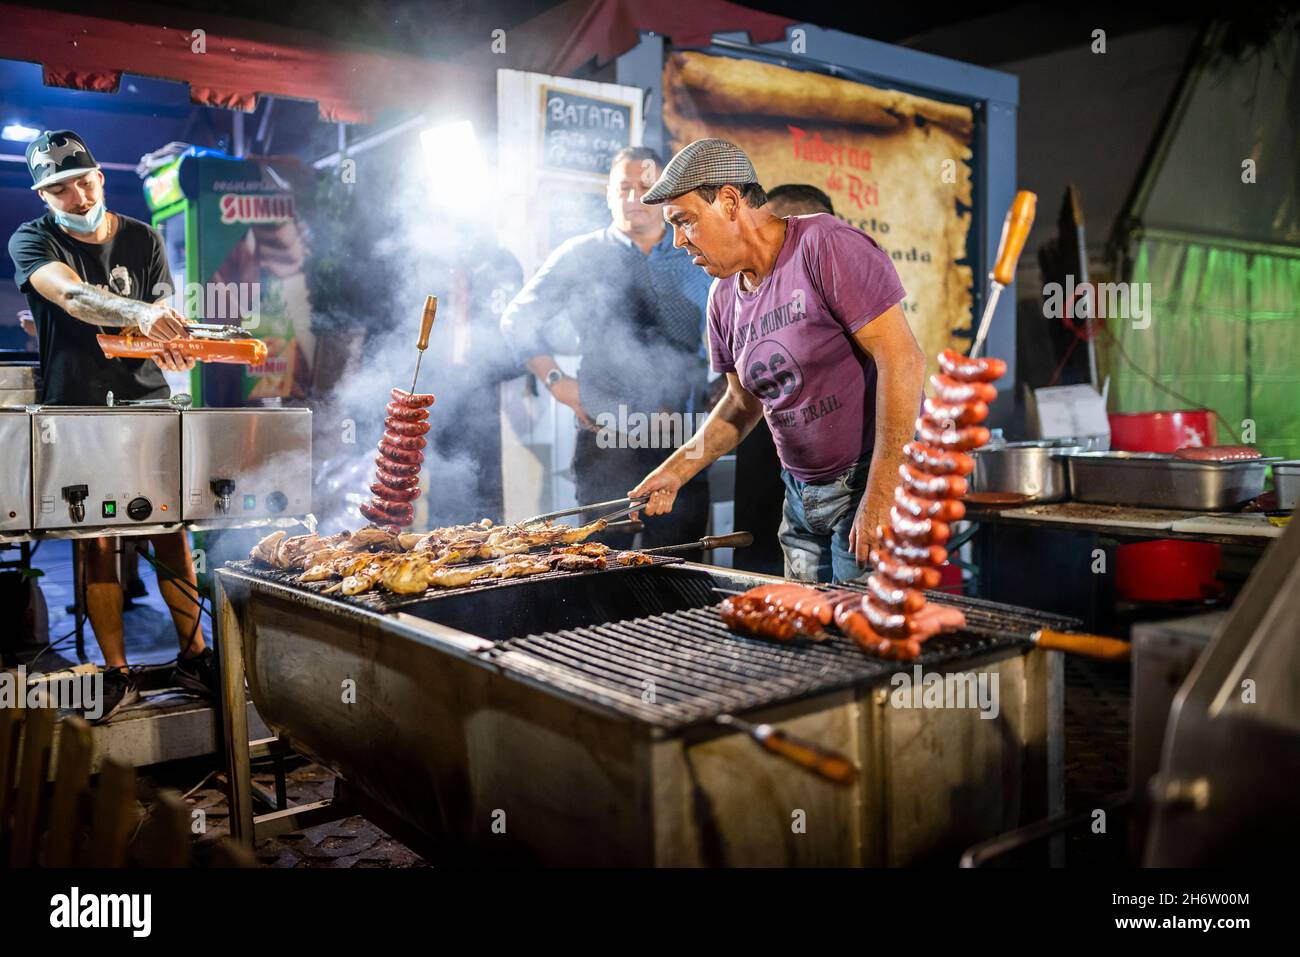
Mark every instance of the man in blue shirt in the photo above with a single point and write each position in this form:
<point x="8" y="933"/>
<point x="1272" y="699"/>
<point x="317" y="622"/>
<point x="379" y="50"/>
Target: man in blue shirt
<point x="637" y="305"/>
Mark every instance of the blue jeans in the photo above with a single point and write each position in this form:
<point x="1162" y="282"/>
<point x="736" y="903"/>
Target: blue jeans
<point x="815" y="525"/>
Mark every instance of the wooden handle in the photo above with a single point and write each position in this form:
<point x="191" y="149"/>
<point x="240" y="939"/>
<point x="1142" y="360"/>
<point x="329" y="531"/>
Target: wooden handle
<point x="734" y="540"/>
<point x="1015" y="230"/>
<point x="1087" y="646"/>
<point x="426" y="321"/>
<point x="824" y="763"/>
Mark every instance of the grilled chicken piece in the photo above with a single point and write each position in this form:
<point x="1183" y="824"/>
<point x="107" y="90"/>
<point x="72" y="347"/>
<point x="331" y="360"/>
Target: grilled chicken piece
<point x="362" y="581"/>
<point x="406" y="575"/>
<point x="264" y="551"/>
<point x="517" y="566"/>
<point x="407" y="541"/>
<point x="290" y="553"/>
<point x="583" y="531"/>
<point x="577" y="563"/>
<point x="372" y="536"/>
<point x="590" y="549"/>
<point x="339" y="565"/>
<point x="633" y="558"/>
<point x="455" y="577"/>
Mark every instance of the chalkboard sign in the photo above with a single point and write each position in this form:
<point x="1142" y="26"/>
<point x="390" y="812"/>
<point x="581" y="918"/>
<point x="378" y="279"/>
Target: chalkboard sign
<point x="582" y="133"/>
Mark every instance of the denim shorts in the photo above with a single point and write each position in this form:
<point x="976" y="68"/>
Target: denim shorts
<point x="815" y="525"/>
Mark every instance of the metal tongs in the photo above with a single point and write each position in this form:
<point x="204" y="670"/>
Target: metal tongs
<point x="215" y="330"/>
<point x="626" y="506"/>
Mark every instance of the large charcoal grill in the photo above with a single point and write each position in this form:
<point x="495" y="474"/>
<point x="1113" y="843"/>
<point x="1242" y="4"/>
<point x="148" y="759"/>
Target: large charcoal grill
<point x="582" y="707"/>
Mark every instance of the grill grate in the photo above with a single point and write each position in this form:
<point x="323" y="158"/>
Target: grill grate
<point x="385" y="602"/>
<point x="686" y="667"/>
<point x="989" y="617"/>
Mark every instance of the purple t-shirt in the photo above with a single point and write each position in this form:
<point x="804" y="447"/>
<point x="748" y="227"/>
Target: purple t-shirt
<point x="790" y="341"/>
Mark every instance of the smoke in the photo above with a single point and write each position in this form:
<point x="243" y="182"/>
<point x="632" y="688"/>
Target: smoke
<point x="414" y="257"/>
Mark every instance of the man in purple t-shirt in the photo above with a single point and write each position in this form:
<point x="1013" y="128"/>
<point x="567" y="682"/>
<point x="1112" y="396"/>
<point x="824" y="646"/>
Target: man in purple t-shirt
<point x="804" y="320"/>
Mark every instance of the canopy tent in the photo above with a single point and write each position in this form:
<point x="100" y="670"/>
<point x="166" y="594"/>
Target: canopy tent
<point x="583" y="34"/>
<point x="243" y="60"/>
<point x="1213" y="234"/>
<point x="239" y="62"/>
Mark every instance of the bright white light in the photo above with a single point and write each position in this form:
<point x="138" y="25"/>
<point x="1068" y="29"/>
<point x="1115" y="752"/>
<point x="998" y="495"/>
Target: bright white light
<point x="453" y="159"/>
<point x="19" y="133"/>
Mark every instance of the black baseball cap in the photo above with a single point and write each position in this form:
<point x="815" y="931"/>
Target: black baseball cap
<point x="55" y="156"/>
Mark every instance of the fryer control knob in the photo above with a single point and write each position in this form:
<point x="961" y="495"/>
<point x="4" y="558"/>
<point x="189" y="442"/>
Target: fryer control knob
<point x="139" y="509"/>
<point x="223" y="489"/>
<point x="277" y="502"/>
<point x="75" y="496"/>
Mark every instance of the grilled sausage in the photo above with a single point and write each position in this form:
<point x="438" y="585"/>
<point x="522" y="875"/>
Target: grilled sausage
<point x="407" y="413"/>
<point x="415" y="400"/>
<point x="947" y="510"/>
<point x="406" y="428"/>
<point x="949" y="389"/>
<point x="389" y="494"/>
<point x="403" y="456"/>
<point x="396" y="468"/>
<point x="965" y="369"/>
<point x="931" y="486"/>
<point x="937" y="461"/>
<point x="961" y="440"/>
<point x="1218" y="453"/>
<point x="412" y="443"/>
<point x="393" y="481"/>
<point x="904" y="573"/>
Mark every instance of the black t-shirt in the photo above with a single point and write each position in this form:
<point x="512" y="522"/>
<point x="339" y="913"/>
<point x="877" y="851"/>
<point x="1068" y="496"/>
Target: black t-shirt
<point x="74" y="370"/>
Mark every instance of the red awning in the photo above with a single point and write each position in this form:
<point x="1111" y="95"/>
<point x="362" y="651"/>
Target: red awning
<point x="568" y="37"/>
<point x="243" y="60"/>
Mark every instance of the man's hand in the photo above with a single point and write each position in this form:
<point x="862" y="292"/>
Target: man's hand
<point x="566" y="392"/>
<point x="873" y="512"/>
<point x="26" y="321"/>
<point x="172" y="360"/>
<point x="661" y="487"/>
<point x="162" y="323"/>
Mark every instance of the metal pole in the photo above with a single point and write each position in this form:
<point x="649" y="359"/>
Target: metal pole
<point x="234" y="716"/>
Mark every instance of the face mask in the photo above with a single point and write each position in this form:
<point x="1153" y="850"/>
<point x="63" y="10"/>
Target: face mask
<point x="79" y="223"/>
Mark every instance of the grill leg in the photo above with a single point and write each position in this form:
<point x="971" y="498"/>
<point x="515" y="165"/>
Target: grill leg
<point x="234" y="718"/>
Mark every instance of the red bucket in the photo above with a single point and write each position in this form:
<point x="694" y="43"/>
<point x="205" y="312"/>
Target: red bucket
<point x="1165" y="569"/>
<point x="1161" y="431"/>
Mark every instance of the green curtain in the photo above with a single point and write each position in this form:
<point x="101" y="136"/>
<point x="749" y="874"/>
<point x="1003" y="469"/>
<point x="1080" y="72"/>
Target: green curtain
<point x="1224" y="332"/>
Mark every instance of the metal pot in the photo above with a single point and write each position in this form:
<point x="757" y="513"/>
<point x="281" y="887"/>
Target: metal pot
<point x="1033" y="469"/>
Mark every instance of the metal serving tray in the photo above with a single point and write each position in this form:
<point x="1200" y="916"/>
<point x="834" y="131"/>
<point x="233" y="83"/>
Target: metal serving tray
<point x="1154" y="480"/>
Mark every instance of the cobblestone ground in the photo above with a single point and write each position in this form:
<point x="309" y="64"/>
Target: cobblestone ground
<point x="350" y="842"/>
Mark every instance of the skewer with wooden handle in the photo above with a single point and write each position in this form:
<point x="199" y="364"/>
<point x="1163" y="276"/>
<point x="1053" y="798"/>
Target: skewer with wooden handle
<point x="1097" y="647"/>
<point x="1015" y="230"/>
<point x="426" y="324"/>
<point x="823" y="762"/>
<point x="706" y="544"/>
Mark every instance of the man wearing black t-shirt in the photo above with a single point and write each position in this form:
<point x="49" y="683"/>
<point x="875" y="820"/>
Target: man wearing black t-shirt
<point x="85" y="270"/>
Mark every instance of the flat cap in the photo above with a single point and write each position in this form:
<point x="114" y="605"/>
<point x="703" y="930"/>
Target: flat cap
<point x="708" y="162"/>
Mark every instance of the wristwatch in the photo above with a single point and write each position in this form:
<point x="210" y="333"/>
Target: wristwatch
<point x="552" y="377"/>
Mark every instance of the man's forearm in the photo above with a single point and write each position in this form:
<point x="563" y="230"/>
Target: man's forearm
<point x="99" y="308"/>
<point x="724" y="429"/>
<point x="898" y="392"/>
